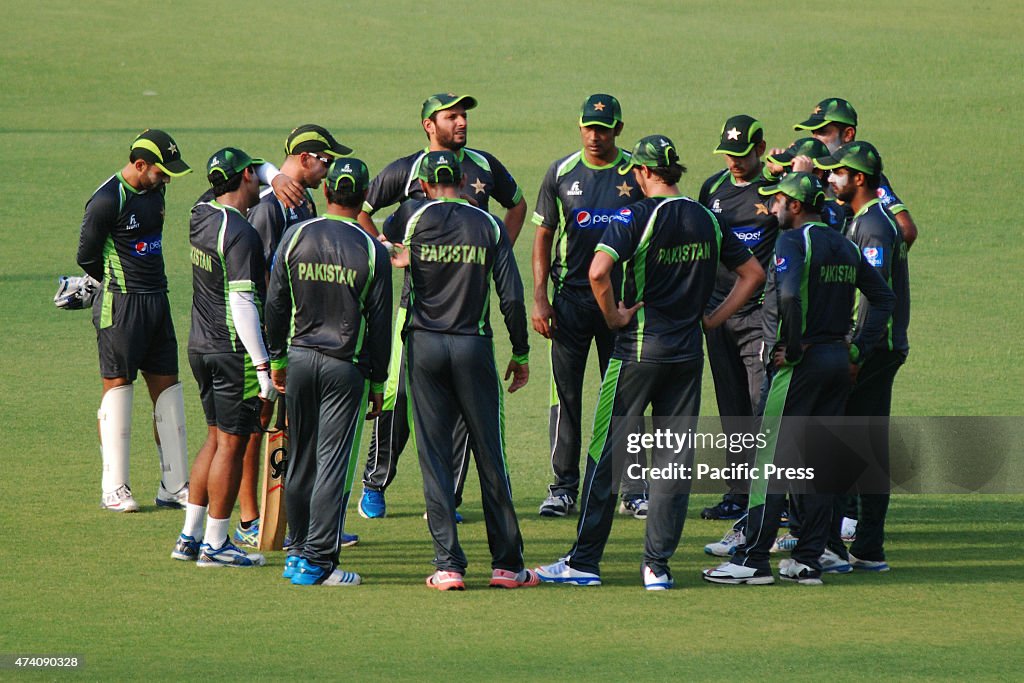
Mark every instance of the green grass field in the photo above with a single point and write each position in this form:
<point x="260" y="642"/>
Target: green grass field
<point x="938" y="89"/>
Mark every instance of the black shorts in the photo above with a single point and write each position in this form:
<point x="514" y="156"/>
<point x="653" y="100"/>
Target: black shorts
<point x="228" y="390"/>
<point x="135" y="332"/>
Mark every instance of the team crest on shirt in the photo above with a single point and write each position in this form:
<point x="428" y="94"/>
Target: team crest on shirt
<point x="780" y="264"/>
<point x="874" y="256"/>
<point x="575" y="190"/>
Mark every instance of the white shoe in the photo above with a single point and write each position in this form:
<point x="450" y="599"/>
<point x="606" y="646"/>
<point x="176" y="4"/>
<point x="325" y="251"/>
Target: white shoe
<point x="342" y="578"/>
<point x="556" y="506"/>
<point x="636" y="506"/>
<point x="848" y="531"/>
<point x="119" y="500"/>
<point x="733" y="539"/>
<point x="784" y="543"/>
<point x="657" y="582"/>
<point x="791" y="570"/>
<point x="831" y="563"/>
<point x="561" y="572"/>
<point x="734" y="574"/>
<point x="174" y="501"/>
<point x="228" y="555"/>
<point x="869" y="565"/>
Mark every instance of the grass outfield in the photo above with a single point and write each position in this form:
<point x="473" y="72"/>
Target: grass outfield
<point x="938" y="90"/>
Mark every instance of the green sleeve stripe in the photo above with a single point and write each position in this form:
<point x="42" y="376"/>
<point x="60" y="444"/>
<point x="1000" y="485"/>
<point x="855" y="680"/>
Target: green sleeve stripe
<point x="242" y="286"/>
<point x="378" y="387"/>
<point x="537" y="219"/>
<point x="522" y="359"/>
<point x="279" y="363"/>
<point x="518" y="196"/>
<point x="608" y="250"/>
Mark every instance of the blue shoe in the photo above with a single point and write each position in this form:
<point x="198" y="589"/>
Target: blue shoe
<point x="248" y="537"/>
<point x="458" y="517"/>
<point x="290" y="563"/>
<point x="348" y="540"/>
<point x="372" y="505"/>
<point x="186" y="549"/>
<point x="306" y="574"/>
<point x="228" y="556"/>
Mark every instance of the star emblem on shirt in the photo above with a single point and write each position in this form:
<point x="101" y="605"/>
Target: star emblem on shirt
<point x="478" y="186"/>
<point x="761" y="210"/>
<point x="733" y="133"/>
<point x="172" y="148"/>
<point x="624" y="189"/>
<point x="599" y="106"/>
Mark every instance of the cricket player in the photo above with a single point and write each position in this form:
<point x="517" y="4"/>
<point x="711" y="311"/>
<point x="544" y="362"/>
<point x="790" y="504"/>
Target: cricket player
<point x="834" y="122"/>
<point x="453" y="250"/>
<point x="227" y="353"/>
<point x="734" y="349"/>
<point x="671" y="247"/>
<point x="445" y="121"/>
<point x="329" y="327"/>
<point x="856" y="176"/>
<point x="818" y="272"/>
<point x="309" y="150"/>
<point x="580" y="196"/>
<point x="121" y="245"/>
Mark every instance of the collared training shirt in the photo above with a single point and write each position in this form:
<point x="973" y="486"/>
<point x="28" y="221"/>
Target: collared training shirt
<point x="330" y="290"/>
<point x="455" y="250"/>
<point x="881" y="245"/>
<point x="670" y="248"/>
<point x="121" y="241"/>
<point x="270" y="218"/>
<point x="746" y="213"/>
<point x="579" y="201"/>
<point x="226" y="257"/>
<point x="485" y="176"/>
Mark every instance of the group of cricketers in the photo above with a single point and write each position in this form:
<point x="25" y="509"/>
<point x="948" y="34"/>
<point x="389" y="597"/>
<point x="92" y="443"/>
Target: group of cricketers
<point x="791" y="267"/>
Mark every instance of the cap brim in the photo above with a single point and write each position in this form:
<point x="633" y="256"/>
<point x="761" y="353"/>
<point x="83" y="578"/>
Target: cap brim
<point x="769" y="190"/>
<point x="467" y="101"/>
<point x="175" y="169"/>
<point x="782" y="158"/>
<point x="811" y="124"/>
<point x="736" y="151"/>
<point x="827" y="163"/>
<point x="338" y="150"/>
<point x="627" y="167"/>
<point x="603" y="122"/>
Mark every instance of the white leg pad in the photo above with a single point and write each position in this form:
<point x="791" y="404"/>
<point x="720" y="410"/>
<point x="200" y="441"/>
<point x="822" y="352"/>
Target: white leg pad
<point x="115" y="418"/>
<point x="169" y="414"/>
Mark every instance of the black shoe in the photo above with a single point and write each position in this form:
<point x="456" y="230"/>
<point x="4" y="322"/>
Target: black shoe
<point x="727" y="509"/>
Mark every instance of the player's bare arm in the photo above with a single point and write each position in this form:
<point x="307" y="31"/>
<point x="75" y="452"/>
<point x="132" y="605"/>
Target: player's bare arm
<point x="543" y="315"/>
<point x="514" y="219"/>
<point x="618" y="315"/>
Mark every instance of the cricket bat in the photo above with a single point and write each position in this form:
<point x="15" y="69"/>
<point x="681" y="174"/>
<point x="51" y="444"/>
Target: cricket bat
<point x="273" y="516"/>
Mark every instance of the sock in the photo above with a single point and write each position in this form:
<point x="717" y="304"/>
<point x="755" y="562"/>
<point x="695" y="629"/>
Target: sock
<point x="216" y="532"/>
<point x="247" y="525"/>
<point x="194" y="516"/>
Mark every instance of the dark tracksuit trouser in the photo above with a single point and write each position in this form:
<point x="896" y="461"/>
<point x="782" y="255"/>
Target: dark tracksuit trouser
<point x="734" y="354"/>
<point x="872" y="396"/>
<point x="326" y="407"/>
<point x="817" y="386"/>
<point x="451" y="376"/>
<point x="629" y="387"/>
<point x="576" y="328"/>
<point x="392" y="428"/>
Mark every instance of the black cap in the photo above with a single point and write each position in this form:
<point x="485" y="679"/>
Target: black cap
<point x="157" y="147"/>
<point x="600" y="110"/>
<point x="445" y="100"/>
<point x="858" y="155"/>
<point x="739" y="135"/>
<point x="803" y="187"/>
<point x="348" y="169"/>
<point x="226" y="163"/>
<point x="652" y="151"/>
<point x="830" y="110"/>
<point x="804" y="147"/>
<point x="440" y="168"/>
<point x="313" y="138"/>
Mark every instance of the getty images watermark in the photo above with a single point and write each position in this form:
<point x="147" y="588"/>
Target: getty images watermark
<point x="823" y="455"/>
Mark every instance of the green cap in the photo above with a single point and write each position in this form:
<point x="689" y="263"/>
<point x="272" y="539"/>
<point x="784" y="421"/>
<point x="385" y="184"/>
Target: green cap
<point x="445" y="100"/>
<point x="653" y="151"/>
<point x="739" y="135"/>
<point x="831" y="110"/>
<point x="348" y="169"/>
<point x="858" y="155"/>
<point x="804" y="147"/>
<point x="313" y="138"/>
<point x="157" y="147"/>
<point x="600" y="110"/>
<point x="440" y="168"/>
<point x="803" y="187"/>
<point x="225" y="164"/>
